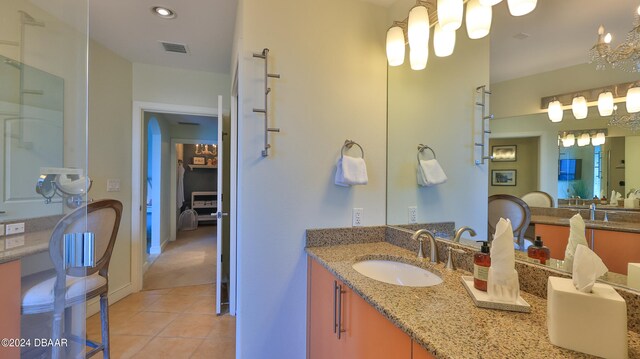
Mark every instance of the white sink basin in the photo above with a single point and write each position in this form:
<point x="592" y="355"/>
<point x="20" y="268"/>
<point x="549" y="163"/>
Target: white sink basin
<point x="397" y="273"/>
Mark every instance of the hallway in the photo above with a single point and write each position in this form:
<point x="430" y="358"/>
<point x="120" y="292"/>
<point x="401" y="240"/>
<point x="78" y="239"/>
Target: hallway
<point x="189" y="260"/>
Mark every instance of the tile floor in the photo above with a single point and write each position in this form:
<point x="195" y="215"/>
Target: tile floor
<point x="168" y="323"/>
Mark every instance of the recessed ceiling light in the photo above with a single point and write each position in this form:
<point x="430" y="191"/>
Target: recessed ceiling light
<point x="163" y="12"/>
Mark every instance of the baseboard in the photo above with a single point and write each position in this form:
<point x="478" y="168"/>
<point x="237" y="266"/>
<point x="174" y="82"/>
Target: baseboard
<point x="93" y="305"/>
<point x="158" y="249"/>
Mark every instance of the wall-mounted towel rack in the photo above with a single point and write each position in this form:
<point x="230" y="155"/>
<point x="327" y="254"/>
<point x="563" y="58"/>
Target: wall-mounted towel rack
<point x="347" y="145"/>
<point x="265" y="56"/>
<point x="485" y="127"/>
<point x="421" y="149"/>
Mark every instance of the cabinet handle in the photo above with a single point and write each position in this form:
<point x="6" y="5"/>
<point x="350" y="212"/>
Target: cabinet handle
<point x="340" y="330"/>
<point x="335" y="289"/>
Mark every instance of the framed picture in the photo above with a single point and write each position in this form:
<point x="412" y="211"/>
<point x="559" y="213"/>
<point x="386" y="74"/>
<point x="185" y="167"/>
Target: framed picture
<point x="198" y="160"/>
<point x="503" y="177"/>
<point x="504" y="153"/>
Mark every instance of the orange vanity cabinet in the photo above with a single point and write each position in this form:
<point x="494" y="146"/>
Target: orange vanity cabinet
<point x="340" y="324"/>
<point x="554" y="237"/>
<point x="617" y="249"/>
<point x="10" y="307"/>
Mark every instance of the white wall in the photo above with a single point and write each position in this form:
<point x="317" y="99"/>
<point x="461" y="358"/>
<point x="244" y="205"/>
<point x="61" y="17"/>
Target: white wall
<point x="168" y="85"/>
<point x="333" y="87"/>
<point x="110" y="147"/>
<point x="436" y="107"/>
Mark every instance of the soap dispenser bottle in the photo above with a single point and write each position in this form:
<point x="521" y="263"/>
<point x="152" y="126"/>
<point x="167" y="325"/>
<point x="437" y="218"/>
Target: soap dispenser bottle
<point x="539" y="251"/>
<point x="481" y="264"/>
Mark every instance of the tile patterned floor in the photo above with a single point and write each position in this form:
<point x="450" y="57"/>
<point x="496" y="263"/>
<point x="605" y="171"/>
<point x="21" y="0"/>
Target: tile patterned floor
<point x="168" y="323"/>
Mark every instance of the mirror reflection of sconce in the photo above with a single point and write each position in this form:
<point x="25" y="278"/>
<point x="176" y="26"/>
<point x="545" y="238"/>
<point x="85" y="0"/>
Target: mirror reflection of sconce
<point x="204" y="150"/>
<point x="70" y="187"/>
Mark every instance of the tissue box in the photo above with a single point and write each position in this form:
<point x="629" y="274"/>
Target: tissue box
<point x="593" y="323"/>
<point x="632" y="203"/>
<point x="633" y="275"/>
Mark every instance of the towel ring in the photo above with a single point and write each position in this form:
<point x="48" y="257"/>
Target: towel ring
<point x="348" y="144"/>
<point x="421" y="148"/>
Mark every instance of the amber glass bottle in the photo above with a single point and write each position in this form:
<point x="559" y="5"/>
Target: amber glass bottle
<point x="481" y="264"/>
<point x="539" y="251"/>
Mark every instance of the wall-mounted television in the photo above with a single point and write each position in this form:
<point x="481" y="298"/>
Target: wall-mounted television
<point x="569" y="169"/>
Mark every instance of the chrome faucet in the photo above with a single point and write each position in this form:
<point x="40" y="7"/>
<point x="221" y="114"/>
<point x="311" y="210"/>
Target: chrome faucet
<point x="461" y="230"/>
<point x="417" y="236"/>
<point x="592" y="211"/>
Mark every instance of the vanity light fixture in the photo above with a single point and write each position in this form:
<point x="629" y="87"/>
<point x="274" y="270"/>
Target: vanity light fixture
<point x="579" y="108"/>
<point x="521" y="7"/>
<point x="443" y="41"/>
<point x="596" y="137"/>
<point x="478" y="19"/>
<point x="625" y="56"/>
<point x="633" y="100"/>
<point x="418" y="58"/>
<point x="450" y="14"/>
<point x="395" y="46"/>
<point x="605" y="103"/>
<point x="555" y="111"/>
<point x="490" y="2"/>
<point x="163" y="12"/>
<point x="599" y="139"/>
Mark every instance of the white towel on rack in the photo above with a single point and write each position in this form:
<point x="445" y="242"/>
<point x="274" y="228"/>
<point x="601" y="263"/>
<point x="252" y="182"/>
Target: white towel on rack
<point x="351" y="171"/>
<point x="430" y="173"/>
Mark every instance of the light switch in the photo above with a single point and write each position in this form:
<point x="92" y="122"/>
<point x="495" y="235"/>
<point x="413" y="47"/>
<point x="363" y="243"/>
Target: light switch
<point x="15" y="228"/>
<point x="13" y="242"/>
<point x="113" y="185"/>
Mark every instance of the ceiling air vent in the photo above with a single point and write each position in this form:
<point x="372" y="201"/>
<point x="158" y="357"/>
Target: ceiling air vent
<point x="173" y="47"/>
<point x="188" y="123"/>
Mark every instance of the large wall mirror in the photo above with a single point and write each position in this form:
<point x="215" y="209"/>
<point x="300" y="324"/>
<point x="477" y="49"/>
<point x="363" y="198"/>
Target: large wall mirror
<point x="526" y="59"/>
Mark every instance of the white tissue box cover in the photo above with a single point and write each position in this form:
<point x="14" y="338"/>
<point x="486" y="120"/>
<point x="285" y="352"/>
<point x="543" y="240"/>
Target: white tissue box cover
<point x="633" y="275"/>
<point x="593" y="323"/>
<point x="632" y="203"/>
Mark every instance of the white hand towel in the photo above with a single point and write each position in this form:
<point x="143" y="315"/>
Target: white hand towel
<point x="587" y="267"/>
<point x="430" y="173"/>
<point x="576" y="237"/>
<point x="503" y="284"/>
<point x="351" y="171"/>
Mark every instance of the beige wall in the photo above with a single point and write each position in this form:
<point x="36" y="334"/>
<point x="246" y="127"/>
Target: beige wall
<point x="110" y="147"/>
<point x="168" y="85"/>
<point x="632" y="164"/>
<point x="332" y="60"/>
<point x="526" y="165"/>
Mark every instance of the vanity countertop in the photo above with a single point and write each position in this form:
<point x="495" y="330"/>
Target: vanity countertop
<point x="443" y="318"/>
<point x="630" y="227"/>
<point x="25" y="244"/>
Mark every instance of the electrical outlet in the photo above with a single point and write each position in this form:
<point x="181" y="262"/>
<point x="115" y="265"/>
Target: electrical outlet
<point x="113" y="185"/>
<point x="358" y="213"/>
<point x="413" y="214"/>
<point x="15" y="228"/>
<point x="1" y="229"/>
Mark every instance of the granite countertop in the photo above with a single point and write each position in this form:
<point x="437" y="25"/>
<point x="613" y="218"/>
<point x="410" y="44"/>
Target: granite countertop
<point x="30" y="243"/>
<point x="610" y="226"/>
<point x="443" y="318"/>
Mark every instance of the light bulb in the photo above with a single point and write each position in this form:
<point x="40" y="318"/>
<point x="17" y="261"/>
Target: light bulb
<point x="555" y="111"/>
<point x="478" y="19"/>
<point x="521" y="7"/>
<point x="579" y="108"/>
<point x="607" y="38"/>
<point x="569" y="140"/>
<point x="418" y="58"/>
<point x="450" y="14"/>
<point x="633" y="100"/>
<point x="418" y="28"/>
<point x="395" y="46"/>
<point x="443" y="41"/>
<point x="584" y="139"/>
<point x="598" y="139"/>
<point x="605" y="104"/>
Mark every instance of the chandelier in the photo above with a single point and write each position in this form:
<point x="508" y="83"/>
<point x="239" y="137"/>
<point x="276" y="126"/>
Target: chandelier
<point x="629" y="121"/>
<point x="625" y="57"/>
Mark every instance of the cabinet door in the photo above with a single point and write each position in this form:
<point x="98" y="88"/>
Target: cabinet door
<point x="617" y="249"/>
<point x="322" y="340"/>
<point x="368" y="333"/>
<point x="418" y="352"/>
<point x="554" y="237"/>
<point x="10" y="307"/>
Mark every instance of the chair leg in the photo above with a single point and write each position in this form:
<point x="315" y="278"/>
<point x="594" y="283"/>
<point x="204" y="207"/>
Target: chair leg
<point x="104" y="321"/>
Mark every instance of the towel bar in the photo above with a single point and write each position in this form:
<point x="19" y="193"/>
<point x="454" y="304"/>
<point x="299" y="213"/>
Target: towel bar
<point x="348" y="144"/>
<point x="265" y="111"/>
<point x="421" y="148"/>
